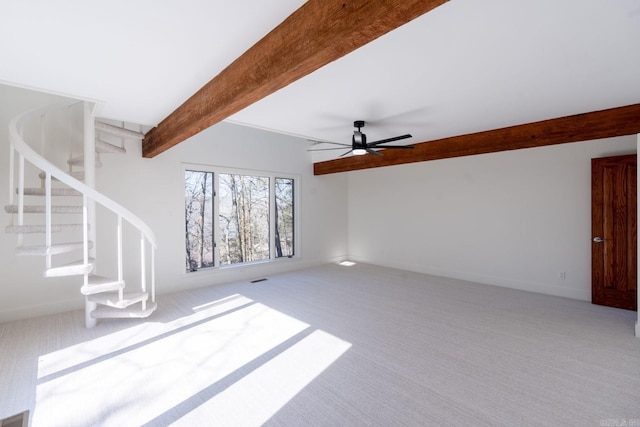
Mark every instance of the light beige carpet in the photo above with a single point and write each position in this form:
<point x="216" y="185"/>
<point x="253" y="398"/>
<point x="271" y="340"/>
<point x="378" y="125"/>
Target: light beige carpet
<point x="332" y="345"/>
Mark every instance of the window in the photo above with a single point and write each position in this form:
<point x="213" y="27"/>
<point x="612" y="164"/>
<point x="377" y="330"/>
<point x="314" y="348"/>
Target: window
<point x="198" y="213"/>
<point x="233" y="218"/>
<point x="244" y="218"/>
<point x="284" y="217"/>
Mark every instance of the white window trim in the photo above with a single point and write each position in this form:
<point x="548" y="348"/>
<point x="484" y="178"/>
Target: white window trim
<point x="297" y="179"/>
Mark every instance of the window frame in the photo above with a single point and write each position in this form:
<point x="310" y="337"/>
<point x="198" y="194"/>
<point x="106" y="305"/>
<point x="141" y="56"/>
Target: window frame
<point x="272" y="214"/>
<point x="183" y="219"/>
<point x="271" y="175"/>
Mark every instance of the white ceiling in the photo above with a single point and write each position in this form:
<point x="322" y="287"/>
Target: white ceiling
<point x="467" y="66"/>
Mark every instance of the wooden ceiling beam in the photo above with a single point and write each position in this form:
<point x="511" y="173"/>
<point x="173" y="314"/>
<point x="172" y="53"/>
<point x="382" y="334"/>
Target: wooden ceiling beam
<point x="319" y="32"/>
<point x="580" y="127"/>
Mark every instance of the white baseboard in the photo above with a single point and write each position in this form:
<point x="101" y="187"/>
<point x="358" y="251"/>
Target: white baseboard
<point x="579" y="294"/>
<point x="42" y="309"/>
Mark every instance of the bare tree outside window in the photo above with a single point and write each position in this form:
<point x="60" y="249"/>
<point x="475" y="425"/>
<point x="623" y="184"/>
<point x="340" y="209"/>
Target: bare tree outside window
<point x="243" y="218"/>
<point x="198" y="205"/>
<point x="284" y="217"/>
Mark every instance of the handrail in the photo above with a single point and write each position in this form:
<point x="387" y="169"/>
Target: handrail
<point x="23" y="148"/>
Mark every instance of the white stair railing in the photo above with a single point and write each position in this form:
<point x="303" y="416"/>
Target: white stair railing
<point x="20" y="148"/>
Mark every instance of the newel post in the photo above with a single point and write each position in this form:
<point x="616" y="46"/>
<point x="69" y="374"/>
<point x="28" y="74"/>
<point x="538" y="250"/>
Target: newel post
<point x="89" y="143"/>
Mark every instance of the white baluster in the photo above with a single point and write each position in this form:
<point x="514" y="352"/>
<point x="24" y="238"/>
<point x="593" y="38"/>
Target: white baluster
<point x="85" y="236"/>
<point x="89" y="306"/>
<point x="69" y="139"/>
<point x="90" y="170"/>
<point x="20" y="195"/>
<point x="12" y="178"/>
<point x="47" y="219"/>
<point x="143" y="272"/>
<point x="120" y="269"/>
<point x="42" y="139"/>
<point x="153" y="274"/>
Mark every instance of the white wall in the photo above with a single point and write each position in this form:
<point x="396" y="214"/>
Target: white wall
<point x="152" y="189"/>
<point x="514" y="219"/>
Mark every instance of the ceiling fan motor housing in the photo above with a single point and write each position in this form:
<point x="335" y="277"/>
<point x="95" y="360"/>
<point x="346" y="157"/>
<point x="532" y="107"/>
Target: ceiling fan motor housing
<point x="359" y="144"/>
<point x="359" y="140"/>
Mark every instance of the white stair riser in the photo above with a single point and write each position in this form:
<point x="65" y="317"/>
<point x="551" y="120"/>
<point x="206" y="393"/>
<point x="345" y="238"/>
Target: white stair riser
<point x="79" y="161"/>
<point x="40" y="229"/>
<point x="54" y="192"/>
<point x="119" y="131"/>
<point x="55" y="249"/>
<point x="129" y="312"/>
<point x="98" y="284"/>
<point x="13" y="209"/>
<point x="75" y="269"/>
<point x="106" y="147"/>
<point x="112" y="299"/>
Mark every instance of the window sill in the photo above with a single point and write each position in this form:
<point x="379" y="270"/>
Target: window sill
<point x="243" y="266"/>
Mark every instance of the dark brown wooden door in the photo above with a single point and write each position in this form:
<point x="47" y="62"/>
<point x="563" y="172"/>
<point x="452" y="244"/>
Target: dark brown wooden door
<point x="614" y="232"/>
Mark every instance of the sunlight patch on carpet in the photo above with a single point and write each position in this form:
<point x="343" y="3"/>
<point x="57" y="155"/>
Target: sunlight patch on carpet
<point x="347" y="263"/>
<point x="95" y="349"/>
<point x="257" y="397"/>
<point x="233" y="350"/>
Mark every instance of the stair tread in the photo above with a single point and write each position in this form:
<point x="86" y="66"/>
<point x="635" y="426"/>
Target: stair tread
<point x="79" y="161"/>
<point x="59" y="209"/>
<point x="99" y="284"/>
<point x="107" y="147"/>
<point x="71" y="269"/>
<point x="95" y="279"/>
<point x="118" y="131"/>
<point x="54" y="249"/>
<point x="129" y="312"/>
<point x="112" y="299"/>
<point x="39" y="228"/>
<point x="37" y="191"/>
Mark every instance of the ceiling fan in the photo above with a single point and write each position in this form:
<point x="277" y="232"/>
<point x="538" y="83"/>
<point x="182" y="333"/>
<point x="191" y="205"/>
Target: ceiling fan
<point x="359" y="144"/>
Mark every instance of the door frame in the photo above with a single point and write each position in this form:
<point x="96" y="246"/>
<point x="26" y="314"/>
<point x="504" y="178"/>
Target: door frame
<point x="638" y="212"/>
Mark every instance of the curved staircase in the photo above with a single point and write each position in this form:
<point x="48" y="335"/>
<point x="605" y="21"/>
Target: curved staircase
<point x="57" y="219"/>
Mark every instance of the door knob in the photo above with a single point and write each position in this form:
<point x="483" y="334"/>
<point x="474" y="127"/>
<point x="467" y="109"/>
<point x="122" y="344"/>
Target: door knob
<point x="598" y="239"/>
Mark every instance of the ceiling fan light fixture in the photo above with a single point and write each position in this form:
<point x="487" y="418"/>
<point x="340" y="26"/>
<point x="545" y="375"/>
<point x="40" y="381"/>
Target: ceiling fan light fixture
<point x="359" y="151"/>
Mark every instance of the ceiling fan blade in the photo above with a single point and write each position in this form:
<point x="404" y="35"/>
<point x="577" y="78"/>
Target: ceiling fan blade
<point x="374" y="152"/>
<point x="315" y="142"/>
<point x="342" y="155"/>
<point x="382" y="141"/>
<point x="325" y="149"/>
<point x="394" y="146"/>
